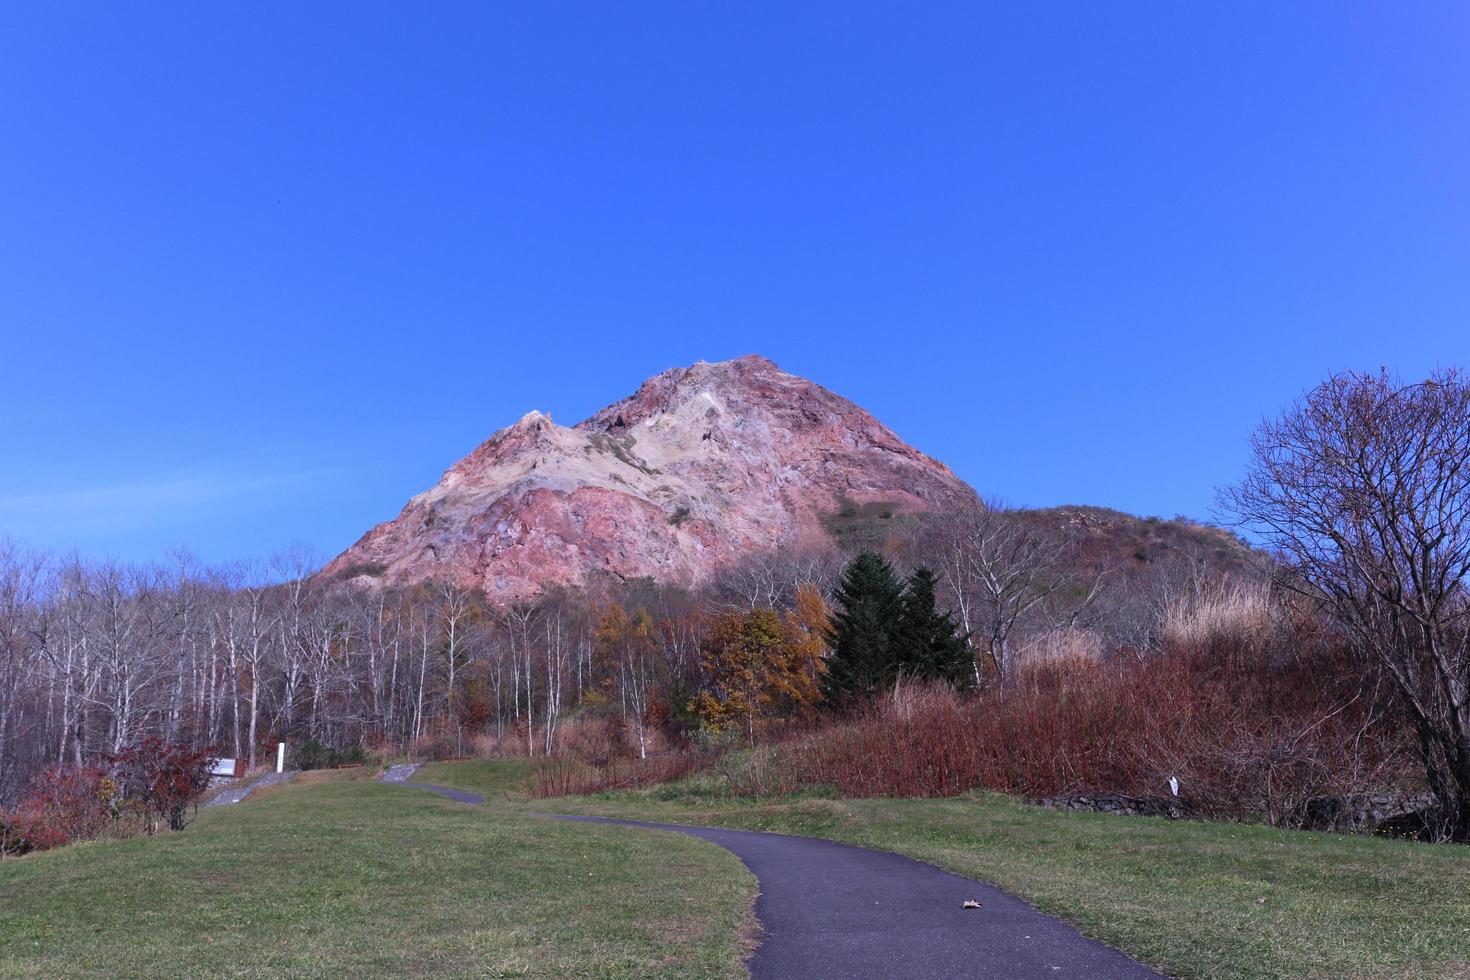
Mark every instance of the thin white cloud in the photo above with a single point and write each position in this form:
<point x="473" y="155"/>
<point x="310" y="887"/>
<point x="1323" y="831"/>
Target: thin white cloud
<point x="130" y="505"/>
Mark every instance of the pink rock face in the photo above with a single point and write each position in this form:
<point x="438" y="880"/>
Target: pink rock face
<point x="700" y="466"/>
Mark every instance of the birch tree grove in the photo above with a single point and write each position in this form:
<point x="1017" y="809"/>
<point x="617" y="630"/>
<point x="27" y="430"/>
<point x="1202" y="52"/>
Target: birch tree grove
<point x="96" y="657"/>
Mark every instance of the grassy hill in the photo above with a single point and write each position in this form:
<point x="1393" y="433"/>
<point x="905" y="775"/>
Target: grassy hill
<point x="1125" y="546"/>
<point x="355" y="878"/>
<point x="338" y="875"/>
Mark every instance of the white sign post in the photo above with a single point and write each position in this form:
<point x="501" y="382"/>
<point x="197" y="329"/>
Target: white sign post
<point x="280" y="757"/>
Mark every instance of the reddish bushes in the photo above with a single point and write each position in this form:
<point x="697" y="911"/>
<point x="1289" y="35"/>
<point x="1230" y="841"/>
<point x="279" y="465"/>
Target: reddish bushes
<point x="597" y="754"/>
<point x="570" y="776"/>
<point x="163" y="779"/>
<point x="65" y="804"/>
<point x="145" y="786"/>
<point x="1249" y="705"/>
<point x="1242" y="734"/>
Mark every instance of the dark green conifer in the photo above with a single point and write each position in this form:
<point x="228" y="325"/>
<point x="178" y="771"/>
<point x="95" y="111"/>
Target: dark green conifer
<point x="869" y="604"/>
<point x="884" y="628"/>
<point x="927" y="643"/>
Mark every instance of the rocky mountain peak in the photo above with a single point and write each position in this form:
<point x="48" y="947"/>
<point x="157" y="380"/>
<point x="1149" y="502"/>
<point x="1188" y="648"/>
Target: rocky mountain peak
<point x="698" y="467"/>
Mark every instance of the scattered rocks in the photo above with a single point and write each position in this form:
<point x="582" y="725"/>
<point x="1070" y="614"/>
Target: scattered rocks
<point x="1396" y="814"/>
<point x="1129" y="806"/>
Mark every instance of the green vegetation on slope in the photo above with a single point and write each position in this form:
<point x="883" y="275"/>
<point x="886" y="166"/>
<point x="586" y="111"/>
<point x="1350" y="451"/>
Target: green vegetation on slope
<point x="340" y="877"/>
<point x="1195" y="899"/>
<point x="494" y="779"/>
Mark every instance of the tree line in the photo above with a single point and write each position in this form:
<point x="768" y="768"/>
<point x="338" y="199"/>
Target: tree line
<point x="96" y="656"/>
<point x="1361" y="492"/>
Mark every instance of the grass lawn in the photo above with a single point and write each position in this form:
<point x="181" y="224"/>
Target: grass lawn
<point x="1193" y="899"/>
<point x="337" y="876"/>
<point x="494" y="779"/>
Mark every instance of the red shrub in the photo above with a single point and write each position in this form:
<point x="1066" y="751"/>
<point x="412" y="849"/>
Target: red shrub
<point x="165" y="778"/>
<point x="567" y="776"/>
<point x="64" y="804"/>
<point x="1241" y="733"/>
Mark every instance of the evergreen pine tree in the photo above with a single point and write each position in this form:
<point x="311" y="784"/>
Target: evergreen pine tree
<point x="926" y="643"/>
<point x="869" y="607"/>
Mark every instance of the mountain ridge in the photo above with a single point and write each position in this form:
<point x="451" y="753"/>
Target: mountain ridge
<point x="699" y="467"/>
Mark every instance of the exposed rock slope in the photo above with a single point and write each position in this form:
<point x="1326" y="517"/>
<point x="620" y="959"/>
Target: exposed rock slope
<point x="698" y="467"/>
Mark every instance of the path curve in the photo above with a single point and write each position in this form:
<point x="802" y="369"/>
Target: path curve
<point x="458" y="795"/>
<point x="401" y="775"/>
<point x="831" y="910"/>
<point x="235" y="794"/>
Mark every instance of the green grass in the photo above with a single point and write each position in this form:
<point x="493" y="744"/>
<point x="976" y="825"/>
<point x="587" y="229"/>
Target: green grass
<point x="1194" y="899"/>
<point x="338" y="877"/>
<point x="494" y="779"/>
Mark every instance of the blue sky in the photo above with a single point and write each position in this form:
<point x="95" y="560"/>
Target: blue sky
<point x="267" y="269"/>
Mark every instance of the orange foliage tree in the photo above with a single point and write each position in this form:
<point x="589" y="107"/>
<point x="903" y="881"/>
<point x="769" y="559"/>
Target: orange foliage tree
<point x="761" y="665"/>
<point x="624" y="648"/>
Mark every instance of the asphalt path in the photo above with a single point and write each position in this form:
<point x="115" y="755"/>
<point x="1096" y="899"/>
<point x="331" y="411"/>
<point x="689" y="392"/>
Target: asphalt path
<point x="458" y="795"/>
<point x="400" y="775"/>
<point x="831" y="910"/>
<point x="235" y="794"/>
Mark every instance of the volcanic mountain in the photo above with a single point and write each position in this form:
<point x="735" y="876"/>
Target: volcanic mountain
<point x="699" y="467"/>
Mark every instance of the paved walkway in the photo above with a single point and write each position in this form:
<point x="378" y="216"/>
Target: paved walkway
<point x="831" y="910"/>
<point x="235" y="794"/>
<point x="401" y="774"/>
<point x="458" y="795"/>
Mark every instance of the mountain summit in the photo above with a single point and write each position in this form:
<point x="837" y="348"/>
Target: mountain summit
<point x="698" y="467"/>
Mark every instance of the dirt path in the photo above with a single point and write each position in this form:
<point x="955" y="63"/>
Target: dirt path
<point x="831" y="910"/>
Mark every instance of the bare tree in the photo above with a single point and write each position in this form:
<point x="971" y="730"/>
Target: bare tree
<point x="519" y="621"/>
<point x="1000" y="568"/>
<point x="127" y="633"/>
<point x="252" y="606"/>
<point x="20" y="579"/>
<point x="293" y="566"/>
<point x="561" y="631"/>
<point x="770" y="580"/>
<point x="456" y="611"/>
<point x="1364" y="490"/>
<point x="63" y="630"/>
